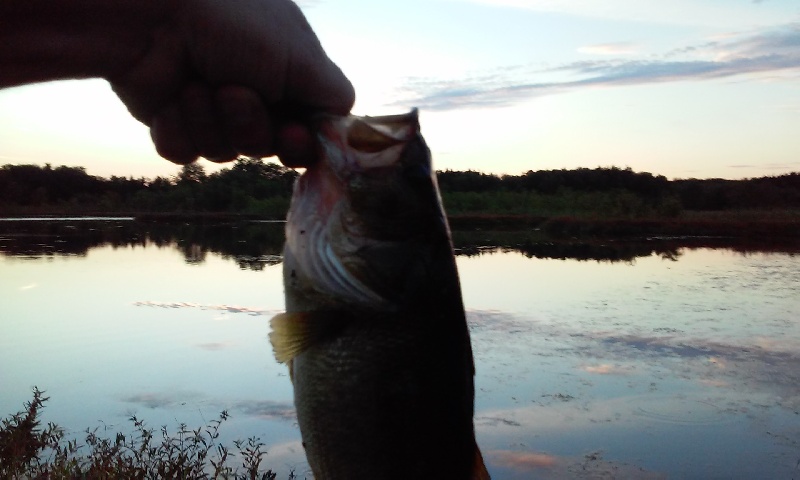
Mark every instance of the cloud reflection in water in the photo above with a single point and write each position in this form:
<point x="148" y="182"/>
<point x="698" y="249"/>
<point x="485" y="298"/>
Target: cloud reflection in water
<point x="690" y="367"/>
<point x="541" y="387"/>
<point x="590" y="466"/>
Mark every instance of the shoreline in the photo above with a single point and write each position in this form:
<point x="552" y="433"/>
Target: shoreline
<point x="708" y="226"/>
<point x="729" y="224"/>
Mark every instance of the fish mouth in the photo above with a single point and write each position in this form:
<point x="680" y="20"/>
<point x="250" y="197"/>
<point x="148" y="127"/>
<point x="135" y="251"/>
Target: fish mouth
<point x="375" y="142"/>
<point x="350" y="145"/>
<point x="372" y="134"/>
<point x="324" y="230"/>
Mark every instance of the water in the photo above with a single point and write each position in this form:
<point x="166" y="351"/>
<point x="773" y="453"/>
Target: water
<point x="653" y="360"/>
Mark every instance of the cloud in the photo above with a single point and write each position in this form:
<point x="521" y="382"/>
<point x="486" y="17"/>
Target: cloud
<point x="773" y="50"/>
<point x="258" y="408"/>
<point x="214" y="346"/>
<point x="616" y="48"/>
<point x="769" y="166"/>
<point x="154" y="400"/>
<point x="547" y="466"/>
<point x="523" y="460"/>
<point x="494" y="421"/>
<point x="223" y="308"/>
<point x="606" y="369"/>
<point x="764" y="365"/>
<point x="674" y="12"/>
<point x="749" y="367"/>
<point x="268" y="409"/>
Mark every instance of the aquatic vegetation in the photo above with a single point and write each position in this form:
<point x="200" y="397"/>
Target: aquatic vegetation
<point x="30" y="450"/>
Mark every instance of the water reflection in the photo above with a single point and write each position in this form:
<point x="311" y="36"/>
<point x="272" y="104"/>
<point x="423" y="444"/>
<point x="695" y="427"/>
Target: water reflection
<point x="637" y="361"/>
<point x="601" y="252"/>
<point x="551" y="467"/>
<point x="671" y="393"/>
<point x="533" y="244"/>
<point x="256" y="245"/>
<point x="252" y="246"/>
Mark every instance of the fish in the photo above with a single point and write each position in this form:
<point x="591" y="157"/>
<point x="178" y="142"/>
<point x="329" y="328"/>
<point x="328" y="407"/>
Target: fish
<point x="374" y="334"/>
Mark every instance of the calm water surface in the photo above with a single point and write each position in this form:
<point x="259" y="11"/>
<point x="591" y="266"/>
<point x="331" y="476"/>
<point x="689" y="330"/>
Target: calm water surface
<point x="675" y="362"/>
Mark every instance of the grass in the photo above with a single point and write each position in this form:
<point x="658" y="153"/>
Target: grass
<point x="30" y="450"/>
<point x="605" y="204"/>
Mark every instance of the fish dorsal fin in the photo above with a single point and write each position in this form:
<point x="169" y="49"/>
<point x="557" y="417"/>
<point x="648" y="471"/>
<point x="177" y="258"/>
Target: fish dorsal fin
<point x="293" y="333"/>
<point x="479" y="471"/>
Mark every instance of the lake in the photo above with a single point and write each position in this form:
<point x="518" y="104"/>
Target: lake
<point x="667" y="358"/>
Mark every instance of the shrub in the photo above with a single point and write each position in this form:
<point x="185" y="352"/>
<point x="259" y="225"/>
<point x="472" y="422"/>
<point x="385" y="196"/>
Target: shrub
<point x="29" y="451"/>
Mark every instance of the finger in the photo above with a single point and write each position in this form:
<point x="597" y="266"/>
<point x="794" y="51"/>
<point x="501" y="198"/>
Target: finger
<point x="312" y="78"/>
<point x="203" y="125"/>
<point x="170" y="136"/>
<point x="155" y="79"/>
<point x="296" y="145"/>
<point x="247" y="125"/>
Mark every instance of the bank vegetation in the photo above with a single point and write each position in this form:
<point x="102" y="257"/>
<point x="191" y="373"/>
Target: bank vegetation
<point x="603" y="199"/>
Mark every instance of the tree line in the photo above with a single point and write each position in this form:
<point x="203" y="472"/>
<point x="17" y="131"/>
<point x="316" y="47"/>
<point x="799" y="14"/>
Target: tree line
<point x="615" y="189"/>
<point x="253" y="186"/>
<point x="250" y="185"/>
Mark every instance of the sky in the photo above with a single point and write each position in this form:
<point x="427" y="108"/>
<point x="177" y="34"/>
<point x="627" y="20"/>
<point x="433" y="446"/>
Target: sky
<point x="685" y="88"/>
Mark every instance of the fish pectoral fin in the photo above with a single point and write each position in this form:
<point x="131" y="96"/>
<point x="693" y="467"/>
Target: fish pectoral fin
<point x="479" y="471"/>
<point x="293" y="333"/>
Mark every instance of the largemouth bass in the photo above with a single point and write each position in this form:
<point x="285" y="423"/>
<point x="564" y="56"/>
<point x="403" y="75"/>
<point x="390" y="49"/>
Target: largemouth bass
<point x="374" y="332"/>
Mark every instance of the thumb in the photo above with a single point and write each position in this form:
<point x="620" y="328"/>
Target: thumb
<point x="315" y="81"/>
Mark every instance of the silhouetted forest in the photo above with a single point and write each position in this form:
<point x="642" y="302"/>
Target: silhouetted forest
<point x="611" y="192"/>
<point x="253" y="186"/>
<point x="249" y="186"/>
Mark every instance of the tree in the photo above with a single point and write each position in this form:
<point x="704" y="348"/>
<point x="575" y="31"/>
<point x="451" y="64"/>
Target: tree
<point x="191" y="174"/>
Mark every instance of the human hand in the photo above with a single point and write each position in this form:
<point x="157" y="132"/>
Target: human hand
<point x="231" y="77"/>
